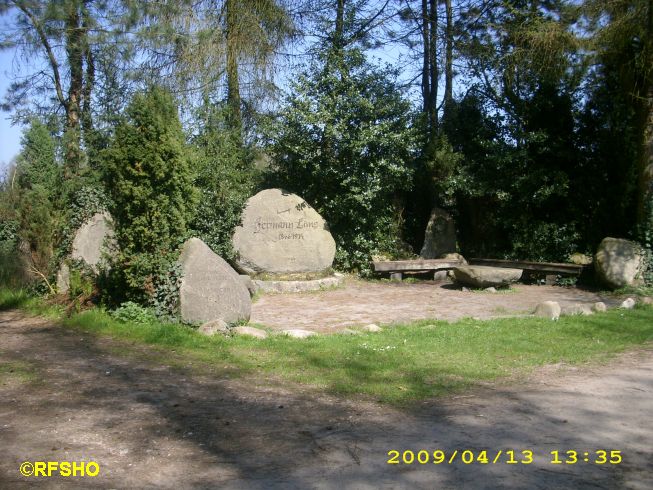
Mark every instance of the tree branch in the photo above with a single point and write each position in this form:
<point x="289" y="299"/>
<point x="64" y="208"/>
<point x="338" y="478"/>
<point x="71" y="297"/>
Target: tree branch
<point x="48" y="49"/>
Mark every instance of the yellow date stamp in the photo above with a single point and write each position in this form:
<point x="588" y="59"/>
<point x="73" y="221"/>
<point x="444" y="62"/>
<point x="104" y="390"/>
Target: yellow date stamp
<point x="503" y="456"/>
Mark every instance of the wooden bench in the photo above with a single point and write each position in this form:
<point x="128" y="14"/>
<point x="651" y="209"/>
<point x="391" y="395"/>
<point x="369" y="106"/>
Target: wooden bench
<point x="545" y="267"/>
<point x="396" y="268"/>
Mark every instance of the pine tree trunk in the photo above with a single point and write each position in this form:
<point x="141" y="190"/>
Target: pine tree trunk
<point x="426" y="81"/>
<point x="233" y="82"/>
<point x="448" y="68"/>
<point x="339" y="28"/>
<point x="75" y="54"/>
<point x="433" y="65"/>
<point x="89" y="82"/>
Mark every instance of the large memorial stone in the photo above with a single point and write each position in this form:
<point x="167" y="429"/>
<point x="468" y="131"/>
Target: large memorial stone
<point x="282" y="234"/>
<point x="210" y="288"/>
<point x="92" y="239"/>
<point x="91" y="242"/>
<point x="440" y="235"/>
<point x="619" y="262"/>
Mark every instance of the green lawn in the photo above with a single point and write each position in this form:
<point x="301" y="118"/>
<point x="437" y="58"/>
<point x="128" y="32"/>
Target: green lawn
<point x="402" y="364"/>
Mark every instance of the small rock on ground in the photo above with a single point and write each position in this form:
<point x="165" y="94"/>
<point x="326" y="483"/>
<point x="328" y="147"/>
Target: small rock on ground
<point x="298" y="333"/>
<point x="548" y="309"/>
<point x="251" y="331"/>
<point x="577" y="309"/>
<point x="491" y="289"/>
<point x="628" y="304"/>
<point x="599" y="307"/>
<point x="213" y="327"/>
<point x="372" y="327"/>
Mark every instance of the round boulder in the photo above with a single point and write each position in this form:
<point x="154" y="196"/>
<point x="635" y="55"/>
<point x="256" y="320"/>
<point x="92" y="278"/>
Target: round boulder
<point x="619" y="262"/>
<point x="282" y="234"/>
<point x="481" y="276"/>
<point x="599" y="307"/>
<point x="210" y="288"/>
<point x="628" y="304"/>
<point x="548" y="309"/>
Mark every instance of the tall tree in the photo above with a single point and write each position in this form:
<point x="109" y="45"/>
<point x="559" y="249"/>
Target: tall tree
<point x="41" y="28"/>
<point x="206" y="46"/>
<point x="426" y="29"/>
<point x="57" y="41"/>
<point x="430" y="68"/>
<point x="345" y="137"/>
<point x="623" y="43"/>
<point x="524" y="72"/>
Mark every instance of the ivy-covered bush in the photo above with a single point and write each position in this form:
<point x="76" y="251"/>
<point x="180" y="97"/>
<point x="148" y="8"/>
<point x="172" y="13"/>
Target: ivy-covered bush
<point x="225" y="177"/>
<point x="83" y="204"/>
<point x="147" y="173"/>
<point x="345" y="142"/>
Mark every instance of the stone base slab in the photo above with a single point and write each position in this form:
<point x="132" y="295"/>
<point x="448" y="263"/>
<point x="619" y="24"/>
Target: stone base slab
<point x="298" y="286"/>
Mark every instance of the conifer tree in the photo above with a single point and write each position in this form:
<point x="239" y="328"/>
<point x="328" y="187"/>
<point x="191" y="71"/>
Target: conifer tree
<point x="148" y="176"/>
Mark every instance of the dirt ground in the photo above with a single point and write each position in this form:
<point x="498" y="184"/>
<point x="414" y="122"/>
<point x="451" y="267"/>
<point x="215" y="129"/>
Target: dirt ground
<point x="150" y="426"/>
<point x="360" y="303"/>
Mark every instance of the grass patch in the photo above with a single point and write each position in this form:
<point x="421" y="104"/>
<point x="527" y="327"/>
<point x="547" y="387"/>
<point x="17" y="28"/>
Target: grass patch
<point x="14" y="299"/>
<point x="634" y="290"/>
<point x="20" y="298"/>
<point x="400" y="365"/>
<point x="17" y="372"/>
<point x="426" y="359"/>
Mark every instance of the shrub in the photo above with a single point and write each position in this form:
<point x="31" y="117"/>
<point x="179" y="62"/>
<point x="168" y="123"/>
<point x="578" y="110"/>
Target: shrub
<point x="130" y="312"/>
<point x="148" y="175"/>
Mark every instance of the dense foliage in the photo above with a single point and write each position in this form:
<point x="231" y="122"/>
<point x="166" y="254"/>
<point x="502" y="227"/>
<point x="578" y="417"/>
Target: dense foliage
<point x="542" y="146"/>
<point x="149" y="179"/>
<point x="31" y="208"/>
<point x="344" y="141"/>
<point x="225" y="176"/>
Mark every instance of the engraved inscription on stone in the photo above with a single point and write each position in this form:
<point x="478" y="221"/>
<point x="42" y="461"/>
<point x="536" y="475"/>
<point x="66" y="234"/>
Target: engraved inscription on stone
<point x="261" y="225"/>
<point x="281" y="233"/>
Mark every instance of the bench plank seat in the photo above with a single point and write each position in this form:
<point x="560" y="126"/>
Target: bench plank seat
<point x="397" y="267"/>
<point x="547" y="267"/>
<point x="419" y="265"/>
